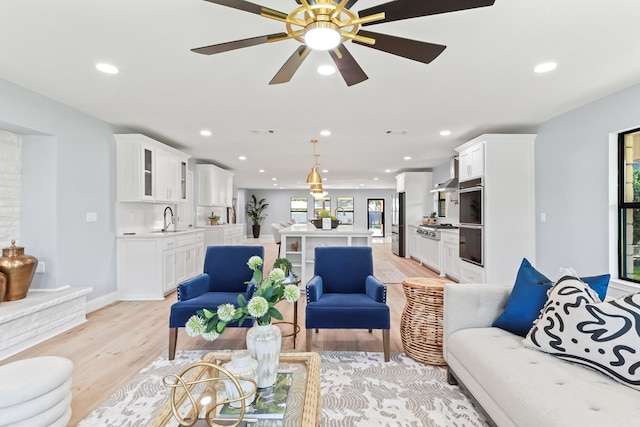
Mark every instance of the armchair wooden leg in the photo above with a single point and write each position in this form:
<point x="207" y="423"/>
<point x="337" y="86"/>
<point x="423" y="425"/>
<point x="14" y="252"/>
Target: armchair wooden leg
<point x="309" y="335"/>
<point x="386" y="345"/>
<point x="370" y="330"/>
<point x="173" y="339"/>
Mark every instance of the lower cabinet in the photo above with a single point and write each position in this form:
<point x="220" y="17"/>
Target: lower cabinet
<point x="471" y="273"/>
<point x="451" y="264"/>
<point x="428" y="252"/>
<point x="231" y="234"/>
<point x="151" y="267"/>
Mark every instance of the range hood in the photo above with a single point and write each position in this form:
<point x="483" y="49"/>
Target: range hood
<point x="451" y="184"/>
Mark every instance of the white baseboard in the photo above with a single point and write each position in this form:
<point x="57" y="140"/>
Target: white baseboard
<point x="103" y="301"/>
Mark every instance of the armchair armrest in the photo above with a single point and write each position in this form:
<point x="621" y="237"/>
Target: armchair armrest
<point x="376" y="290"/>
<point x="193" y="287"/>
<point x="472" y="306"/>
<point x="314" y="289"/>
<point x="251" y="288"/>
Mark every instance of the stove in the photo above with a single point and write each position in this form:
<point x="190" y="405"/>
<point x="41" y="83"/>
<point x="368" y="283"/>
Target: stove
<point x="430" y="232"/>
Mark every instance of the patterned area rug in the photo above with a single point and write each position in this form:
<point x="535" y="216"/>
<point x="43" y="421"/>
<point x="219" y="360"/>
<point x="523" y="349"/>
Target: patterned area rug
<point x="357" y="388"/>
<point x="387" y="273"/>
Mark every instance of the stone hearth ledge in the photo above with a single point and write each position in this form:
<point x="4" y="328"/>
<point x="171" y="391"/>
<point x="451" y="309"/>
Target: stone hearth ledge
<point x="41" y="315"/>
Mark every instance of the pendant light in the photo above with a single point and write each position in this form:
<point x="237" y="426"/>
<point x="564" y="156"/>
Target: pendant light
<point x="314" y="177"/>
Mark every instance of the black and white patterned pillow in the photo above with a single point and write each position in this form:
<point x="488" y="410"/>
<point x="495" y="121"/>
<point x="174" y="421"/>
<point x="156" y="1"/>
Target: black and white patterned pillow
<point x="575" y="325"/>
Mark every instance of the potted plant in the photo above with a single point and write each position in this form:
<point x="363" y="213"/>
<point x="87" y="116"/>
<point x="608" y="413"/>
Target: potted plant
<point x="325" y="214"/>
<point x="432" y="218"/>
<point x="214" y="219"/>
<point x="285" y="265"/>
<point x="255" y="209"/>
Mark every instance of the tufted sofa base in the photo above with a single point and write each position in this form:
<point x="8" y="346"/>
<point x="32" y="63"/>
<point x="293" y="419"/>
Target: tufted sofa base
<point x="518" y="386"/>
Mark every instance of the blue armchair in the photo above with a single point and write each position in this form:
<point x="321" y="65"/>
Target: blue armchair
<point x="224" y="276"/>
<point x="343" y="294"/>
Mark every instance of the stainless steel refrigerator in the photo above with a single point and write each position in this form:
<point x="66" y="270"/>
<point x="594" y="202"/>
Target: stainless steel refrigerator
<point x="398" y="225"/>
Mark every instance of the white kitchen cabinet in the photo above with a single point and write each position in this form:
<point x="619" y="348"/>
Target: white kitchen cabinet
<point x="412" y="236"/>
<point x="230" y="234"/>
<point x="148" y="171"/>
<point x="508" y="206"/>
<point x="471" y="162"/>
<point x="169" y="256"/>
<point x="451" y="264"/>
<point x="215" y="186"/>
<point x="150" y="267"/>
<point x="428" y="252"/>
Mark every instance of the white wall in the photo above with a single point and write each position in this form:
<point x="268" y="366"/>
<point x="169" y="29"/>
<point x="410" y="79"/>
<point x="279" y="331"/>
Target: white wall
<point x="68" y="170"/>
<point x="572" y="172"/>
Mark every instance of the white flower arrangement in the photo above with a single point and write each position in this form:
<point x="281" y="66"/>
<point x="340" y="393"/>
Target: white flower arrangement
<point x="210" y="324"/>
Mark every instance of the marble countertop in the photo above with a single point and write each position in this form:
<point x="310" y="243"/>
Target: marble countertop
<point x="308" y="229"/>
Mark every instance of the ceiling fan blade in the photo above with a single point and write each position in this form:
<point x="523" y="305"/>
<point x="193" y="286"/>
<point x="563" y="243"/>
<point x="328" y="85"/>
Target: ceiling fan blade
<point x="286" y="72"/>
<point x="242" y="5"/>
<point x="237" y="44"/>
<point x="411" y="49"/>
<point x="405" y="9"/>
<point x="351" y="72"/>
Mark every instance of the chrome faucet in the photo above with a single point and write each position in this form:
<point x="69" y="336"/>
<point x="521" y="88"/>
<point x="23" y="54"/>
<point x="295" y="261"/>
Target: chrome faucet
<point x="166" y="226"/>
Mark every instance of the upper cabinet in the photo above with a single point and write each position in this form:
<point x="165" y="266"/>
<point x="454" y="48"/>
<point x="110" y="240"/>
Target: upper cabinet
<point x="149" y="171"/>
<point x="471" y="161"/>
<point x="215" y="186"/>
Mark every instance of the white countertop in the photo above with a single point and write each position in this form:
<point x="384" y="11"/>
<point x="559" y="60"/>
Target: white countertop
<point x="156" y="234"/>
<point x="310" y="229"/>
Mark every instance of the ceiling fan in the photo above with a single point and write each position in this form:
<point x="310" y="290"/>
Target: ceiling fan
<point x="328" y="24"/>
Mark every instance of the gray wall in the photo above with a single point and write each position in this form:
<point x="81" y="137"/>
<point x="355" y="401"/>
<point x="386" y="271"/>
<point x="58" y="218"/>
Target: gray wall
<point x="68" y="170"/>
<point x="280" y="202"/>
<point x="572" y="183"/>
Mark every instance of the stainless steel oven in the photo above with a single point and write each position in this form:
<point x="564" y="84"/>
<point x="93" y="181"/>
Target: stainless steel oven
<point x="470" y="198"/>
<point x="471" y="244"/>
<point x="471" y="227"/>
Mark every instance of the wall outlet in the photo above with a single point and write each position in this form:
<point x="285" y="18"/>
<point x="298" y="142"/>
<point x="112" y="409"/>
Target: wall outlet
<point x="41" y="267"/>
<point x="92" y="216"/>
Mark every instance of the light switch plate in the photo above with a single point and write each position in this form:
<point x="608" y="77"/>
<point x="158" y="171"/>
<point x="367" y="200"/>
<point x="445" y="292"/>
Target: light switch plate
<point x="92" y="216"/>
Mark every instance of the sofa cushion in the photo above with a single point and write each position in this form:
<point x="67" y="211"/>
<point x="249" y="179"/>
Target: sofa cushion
<point x="529" y="295"/>
<point x="576" y="326"/>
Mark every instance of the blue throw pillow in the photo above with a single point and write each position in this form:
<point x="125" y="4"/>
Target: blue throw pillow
<point x="527" y="299"/>
<point x="529" y="295"/>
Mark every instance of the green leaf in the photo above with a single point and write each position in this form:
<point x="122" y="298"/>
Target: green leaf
<point x="273" y="312"/>
<point x="268" y="293"/>
<point x="242" y="301"/>
<point x="220" y="327"/>
<point x="208" y="314"/>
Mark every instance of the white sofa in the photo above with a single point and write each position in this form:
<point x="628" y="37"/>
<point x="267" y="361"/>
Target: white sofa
<point x="518" y="386"/>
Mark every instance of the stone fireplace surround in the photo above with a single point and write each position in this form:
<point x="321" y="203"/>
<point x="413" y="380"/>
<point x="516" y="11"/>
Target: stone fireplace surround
<point x="40" y="316"/>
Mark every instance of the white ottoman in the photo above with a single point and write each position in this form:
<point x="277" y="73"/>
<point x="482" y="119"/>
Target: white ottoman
<point x="36" y="392"/>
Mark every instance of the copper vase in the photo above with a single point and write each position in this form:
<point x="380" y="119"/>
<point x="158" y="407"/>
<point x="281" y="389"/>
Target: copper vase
<point x="3" y="286"/>
<point x="19" y="269"/>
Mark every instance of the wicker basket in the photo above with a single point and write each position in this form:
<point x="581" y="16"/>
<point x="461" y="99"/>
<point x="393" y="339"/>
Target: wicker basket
<point x="421" y="322"/>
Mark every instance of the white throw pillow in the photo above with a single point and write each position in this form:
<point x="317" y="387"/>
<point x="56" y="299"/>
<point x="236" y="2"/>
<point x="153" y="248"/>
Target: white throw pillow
<point x="576" y="326"/>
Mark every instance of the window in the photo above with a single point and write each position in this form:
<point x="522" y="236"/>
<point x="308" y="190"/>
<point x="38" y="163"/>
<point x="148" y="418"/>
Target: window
<point x="299" y="209"/>
<point x="442" y="204"/>
<point x="345" y="209"/>
<point x="321" y="204"/>
<point x="629" y="205"/>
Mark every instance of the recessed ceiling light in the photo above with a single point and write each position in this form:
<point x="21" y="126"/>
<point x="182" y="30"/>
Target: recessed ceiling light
<point x="205" y="132"/>
<point x="242" y="158"/>
<point x="107" y="68"/>
<point x="326" y="70"/>
<point x="387" y="171"/>
<point x="274" y="179"/>
<point x="325" y="132"/>
<point x="445" y="132"/>
<point x="407" y="157"/>
<point x="361" y="185"/>
<point x="261" y="170"/>
<point x="325" y="170"/>
<point x="275" y="185"/>
<point x="375" y="179"/>
<point x="324" y="179"/>
<point x="545" y="67"/>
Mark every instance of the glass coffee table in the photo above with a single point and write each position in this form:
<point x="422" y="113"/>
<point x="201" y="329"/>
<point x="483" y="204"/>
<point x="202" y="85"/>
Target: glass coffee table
<point x="303" y="403"/>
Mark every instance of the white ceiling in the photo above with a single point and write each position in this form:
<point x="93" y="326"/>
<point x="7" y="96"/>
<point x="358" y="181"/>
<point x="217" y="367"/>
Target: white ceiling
<point x="482" y="83"/>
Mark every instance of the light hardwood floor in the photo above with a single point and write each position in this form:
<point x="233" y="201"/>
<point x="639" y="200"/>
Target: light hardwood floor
<point x="121" y="339"/>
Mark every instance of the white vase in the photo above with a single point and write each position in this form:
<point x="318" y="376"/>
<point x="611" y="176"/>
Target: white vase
<point x="264" y="344"/>
<point x="241" y="365"/>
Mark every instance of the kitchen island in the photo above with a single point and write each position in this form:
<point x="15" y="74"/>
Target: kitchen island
<point x="298" y="243"/>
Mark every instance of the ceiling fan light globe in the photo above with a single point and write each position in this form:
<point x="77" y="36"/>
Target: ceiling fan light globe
<point x="322" y="36"/>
